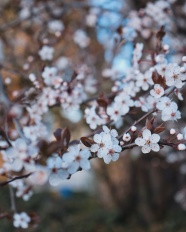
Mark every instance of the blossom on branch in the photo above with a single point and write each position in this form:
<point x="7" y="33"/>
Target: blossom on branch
<point x="148" y="142"/>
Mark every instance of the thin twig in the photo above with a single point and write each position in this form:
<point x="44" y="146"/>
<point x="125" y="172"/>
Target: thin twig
<point x="15" y="178"/>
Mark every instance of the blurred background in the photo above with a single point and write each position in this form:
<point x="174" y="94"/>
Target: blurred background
<point x="136" y="193"/>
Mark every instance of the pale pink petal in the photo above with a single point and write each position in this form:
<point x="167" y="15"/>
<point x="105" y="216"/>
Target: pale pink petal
<point x="107" y="159"/>
<point x="146" y="134"/>
<point x="146" y="149"/>
<point x="140" y="142"/>
<point x="94" y="148"/>
<point x="85" y="164"/>
<point x="155" y="147"/>
<point x="97" y="138"/>
<point x="154" y="138"/>
<point x="73" y="167"/>
<point x="85" y="153"/>
<point x="115" y="156"/>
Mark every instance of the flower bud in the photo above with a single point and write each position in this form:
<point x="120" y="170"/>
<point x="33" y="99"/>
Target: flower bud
<point x="181" y="147"/>
<point x="179" y="136"/>
<point x="133" y="128"/>
<point x="172" y="131"/>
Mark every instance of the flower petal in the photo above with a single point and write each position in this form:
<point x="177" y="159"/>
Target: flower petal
<point x="107" y="158"/>
<point x="146" y="149"/>
<point x="97" y="138"/>
<point x="94" y="148"/>
<point x="140" y="142"/>
<point x="85" y="164"/>
<point x="154" y="138"/>
<point x="155" y="147"/>
<point x="115" y="156"/>
<point x="73" y="167"/>
<point x="146" y="134"/>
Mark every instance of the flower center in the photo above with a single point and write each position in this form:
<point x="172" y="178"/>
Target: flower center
<point x="158" y="91"/>
<point x="175" y="76"/>
<point x="78" y="158"/>
<point x="111" y="151"/>
<point x="101" y="145"/>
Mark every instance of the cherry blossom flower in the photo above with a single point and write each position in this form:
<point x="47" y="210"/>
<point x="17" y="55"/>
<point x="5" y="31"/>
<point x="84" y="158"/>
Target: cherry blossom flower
<point x="21" y="220"/>
<point x="55" y="26"/>
<point x="112" y="132"/>
<point x="158" y="91"/>
<point x="81" y="38"/>
<point x="106" y="145"/>
<point x="46" y="53"/>
<point x="92" y="118"/>
<point x="124" y="101"/>
<point x="21" y="155"/>
<point x="37" y="131"/>
<point x="24" y="192"/>
<point x="142" y="104"/>
<point x="49" y="74"/>
<point x="171" y="112"/>
<point x="54" y="164"/>
<point x="112" y="154"/>
<point x="148" y="142"/>
<point x="174" y="76"/>
<point x="77" y="158"/>
<point x="126" y="137"/>
<point x="39" y="176"/>
<point x="144" y="80"/>
<point x="163" y="103"/>
<point x="115" y="113"/>
<point x="161" y="68"/>
<point x="102" y="144"/>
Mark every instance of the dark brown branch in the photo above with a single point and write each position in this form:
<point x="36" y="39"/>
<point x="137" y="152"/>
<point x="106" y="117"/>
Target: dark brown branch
<point x="15" y="178"/>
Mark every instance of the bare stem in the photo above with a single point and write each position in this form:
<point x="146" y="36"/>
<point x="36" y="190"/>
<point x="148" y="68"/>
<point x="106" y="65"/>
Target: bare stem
<point x="12" y="199"/>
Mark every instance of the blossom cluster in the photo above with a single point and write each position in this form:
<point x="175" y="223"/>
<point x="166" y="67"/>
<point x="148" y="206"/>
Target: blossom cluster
<point x="150" y="89"/>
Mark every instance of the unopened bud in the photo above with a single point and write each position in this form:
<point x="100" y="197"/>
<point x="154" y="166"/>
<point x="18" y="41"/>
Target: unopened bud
<point x="181" y="147"/>
<point x="179" y="136"/>
<point x="172" y="131"/>
<point x="133" y="128"/>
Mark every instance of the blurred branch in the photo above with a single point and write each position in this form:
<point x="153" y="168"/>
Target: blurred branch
<point x="15" y="178"/>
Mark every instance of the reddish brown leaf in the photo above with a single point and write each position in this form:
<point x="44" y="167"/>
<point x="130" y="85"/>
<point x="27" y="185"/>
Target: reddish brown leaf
<point x="158" y="130"/>
<point x="148" y="124"/>
<point x="155" y="77"/>
<point x="160" y="34"/>
<point x="65" y="137"/>
<point x="86" y="141"/>
<point x="102" y="102"/>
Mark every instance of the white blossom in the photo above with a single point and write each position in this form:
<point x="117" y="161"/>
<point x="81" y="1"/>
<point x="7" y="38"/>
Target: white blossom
<point x="81" y="38"/>
<point x="127" y="137"/>
<point x="148" y="142"/>
<point x="171" y="112"/>
<point x="158" y="91"/>
<point x="77" y="158"/>
<point x="181" y="147"/>
<point x="174" y="76"/>
<point x="21" y="220"/>
<point x="46" y="53"/>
